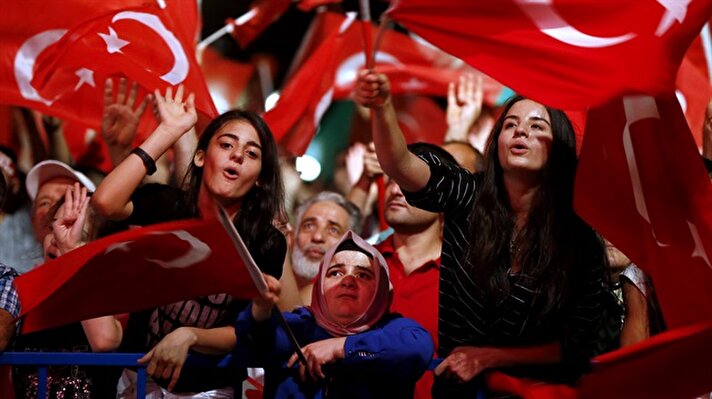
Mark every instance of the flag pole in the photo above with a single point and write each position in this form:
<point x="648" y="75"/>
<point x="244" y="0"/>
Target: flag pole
<point x="370" y="63"/>
<point x="257" y="276"/>
<point x="228" y="28"/>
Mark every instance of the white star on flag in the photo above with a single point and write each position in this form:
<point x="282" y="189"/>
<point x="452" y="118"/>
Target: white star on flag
<point x="113" y="42"/>
<point x="674" y="10"/>
<point x="86" y="76"/>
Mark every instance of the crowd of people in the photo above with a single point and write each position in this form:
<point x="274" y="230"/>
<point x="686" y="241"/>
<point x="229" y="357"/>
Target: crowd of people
<point x="484" y="266"/>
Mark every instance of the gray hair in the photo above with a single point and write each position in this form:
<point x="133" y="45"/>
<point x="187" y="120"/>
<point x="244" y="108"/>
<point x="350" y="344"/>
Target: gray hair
<point x="338" y="199"/>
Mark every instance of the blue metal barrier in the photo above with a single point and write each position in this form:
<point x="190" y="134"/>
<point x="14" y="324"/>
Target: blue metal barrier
<point x="46" y="359"/>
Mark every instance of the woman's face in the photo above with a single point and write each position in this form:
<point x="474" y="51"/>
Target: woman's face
<point x="231" y="163"/>
<point x="349" y="286"/>
<point x="525" y="140"/>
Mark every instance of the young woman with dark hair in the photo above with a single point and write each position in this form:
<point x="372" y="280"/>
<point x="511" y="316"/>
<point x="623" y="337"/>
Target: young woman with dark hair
<point x="521" y="275"/>
<point x="236" y="166"/>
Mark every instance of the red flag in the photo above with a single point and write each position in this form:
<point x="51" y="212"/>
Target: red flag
<point x="250" y="25"/>
<point x="330" y="72"/>
<point x="671" y="365"/>
<point x="642" y="185"/>
<point x="29" y="27"/>
<point x="308" y="5"/>
<point x="307" y="96"/>
<point x="693" y="89"/>
<point x="566" y="53"/>
<point x="226" y="79"/>
<point x="141" y="43"/>
<point x="134" y="270"/>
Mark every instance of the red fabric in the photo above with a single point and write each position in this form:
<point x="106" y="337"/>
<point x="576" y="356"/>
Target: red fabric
<point x="303" y="101"/>
<point x="501" y="38"/>
<point x="674" y="364"/>
<point x="645" y="189"/>
<point x="330" y="70"/>
<point x="29" y="28"/>
<point x="693" y="86"/>
<point x="421" y="119"/>
<point x="308" y="5"/>
<point x="261" y="15"/>
<point x="415" y="296"/>
<point x="225" y="78"/>
<point x="141" y="43"/>
<point x="134" y="270"/>
<point x="671" y="365"/>
<point x="6" y="128"/>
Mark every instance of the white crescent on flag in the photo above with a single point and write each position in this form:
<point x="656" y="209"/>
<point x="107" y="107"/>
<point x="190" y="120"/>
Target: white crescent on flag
<point x="25" y="58"/>
<point x="552" y="24"/>
<point x="179" y="70"/>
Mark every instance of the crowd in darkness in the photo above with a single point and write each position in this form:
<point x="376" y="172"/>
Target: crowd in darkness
<point x="484" y="264"/>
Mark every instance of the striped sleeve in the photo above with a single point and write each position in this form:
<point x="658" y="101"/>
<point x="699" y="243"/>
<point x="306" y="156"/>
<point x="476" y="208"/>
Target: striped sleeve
<point x="450" y="189"/>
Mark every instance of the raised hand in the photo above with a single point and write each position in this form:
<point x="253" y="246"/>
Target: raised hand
<point x="69" y="221"/>
<point x="318" y="354"/>
<point x="373" y="90"/>
<point x="119" y="122"/>
<point x="176" y="116"/>
<point x="464" y="106"/>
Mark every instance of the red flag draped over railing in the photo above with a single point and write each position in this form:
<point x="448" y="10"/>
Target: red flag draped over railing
<point x="566" y="53"/>
<point x="134" y="270"/>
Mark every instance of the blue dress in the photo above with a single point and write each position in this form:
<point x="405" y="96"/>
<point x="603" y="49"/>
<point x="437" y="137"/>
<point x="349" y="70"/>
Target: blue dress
<point x="383" y="362"/>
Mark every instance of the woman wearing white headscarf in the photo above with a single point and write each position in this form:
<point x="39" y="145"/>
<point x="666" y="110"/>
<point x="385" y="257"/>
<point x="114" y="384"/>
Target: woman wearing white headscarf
<point x="354" y="346"/>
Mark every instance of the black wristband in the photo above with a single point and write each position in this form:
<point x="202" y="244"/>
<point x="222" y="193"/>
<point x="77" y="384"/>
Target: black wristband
<point x="148" y="162"/>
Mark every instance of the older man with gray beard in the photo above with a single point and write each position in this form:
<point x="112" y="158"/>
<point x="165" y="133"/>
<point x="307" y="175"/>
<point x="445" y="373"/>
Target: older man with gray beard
<point x="321" y="221"/>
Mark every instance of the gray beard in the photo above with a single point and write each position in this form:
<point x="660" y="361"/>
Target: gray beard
<point x="303" y="266"/>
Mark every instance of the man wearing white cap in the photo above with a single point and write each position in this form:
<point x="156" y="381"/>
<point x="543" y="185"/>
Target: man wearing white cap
<point x="46" y="183"/>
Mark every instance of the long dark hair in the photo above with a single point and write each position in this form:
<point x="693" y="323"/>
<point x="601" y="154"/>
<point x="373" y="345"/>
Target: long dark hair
<point x="264" y="202"/>
<point x="553" y="239"/>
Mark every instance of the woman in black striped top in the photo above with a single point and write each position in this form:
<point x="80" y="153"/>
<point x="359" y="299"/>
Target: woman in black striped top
<point x="521" y="275"/>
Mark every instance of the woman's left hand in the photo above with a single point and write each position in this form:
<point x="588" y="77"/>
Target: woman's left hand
<point x="166" y="359"/>
<point x="466" y="362"/>
<point x="318" y="354"/>
<point x="69" y="223"/>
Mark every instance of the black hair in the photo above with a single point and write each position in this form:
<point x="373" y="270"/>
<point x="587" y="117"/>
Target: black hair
<point x="554" y="239"/>
<point x="264" y="202"/>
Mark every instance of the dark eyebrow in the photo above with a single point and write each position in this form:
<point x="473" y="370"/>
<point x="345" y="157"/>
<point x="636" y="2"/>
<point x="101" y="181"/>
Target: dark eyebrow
<point x="234" y="137"/>
<point x="536" y="118"/>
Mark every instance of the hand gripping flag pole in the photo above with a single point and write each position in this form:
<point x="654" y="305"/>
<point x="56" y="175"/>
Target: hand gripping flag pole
<point x="257" y="276"/>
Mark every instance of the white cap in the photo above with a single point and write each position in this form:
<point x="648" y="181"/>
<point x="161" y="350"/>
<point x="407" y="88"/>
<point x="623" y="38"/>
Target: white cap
<point x="47" y="170"/>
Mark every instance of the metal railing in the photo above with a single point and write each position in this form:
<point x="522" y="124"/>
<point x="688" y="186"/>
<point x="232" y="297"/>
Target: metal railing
<point x="43" y="360"/>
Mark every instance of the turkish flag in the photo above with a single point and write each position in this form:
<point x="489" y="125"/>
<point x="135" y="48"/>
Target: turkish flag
<point x="141" y="43"/>
<point x="570" y="54"/>
<point x="330" y="71"/>
<point x="306" y="97"/>
<point x="641" y="184"/>
<point x="250" y="25"/>
<point x="29" y="27"/>
<point x="693" y="89"/>
<point x="134" y="270"/>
